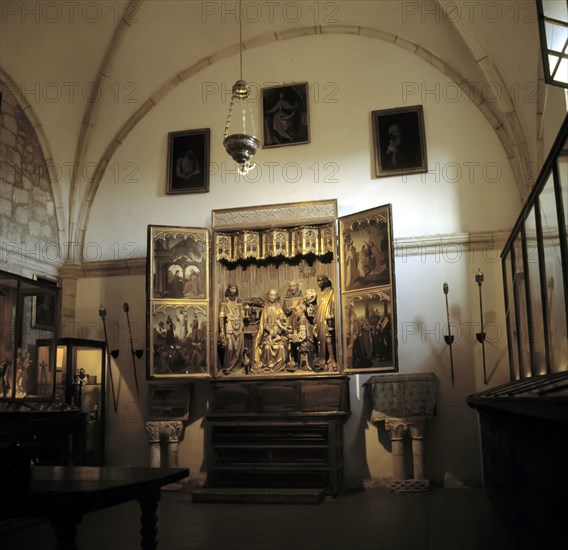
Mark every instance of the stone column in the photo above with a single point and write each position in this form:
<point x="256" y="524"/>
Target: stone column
<point x="69" y="274"/>
<point x="173" y="430"/>
<point x="153" y="431"/>
<point x="417" y="435"/>
<point x="397" y="430"/>
<point x="170" y="432"/>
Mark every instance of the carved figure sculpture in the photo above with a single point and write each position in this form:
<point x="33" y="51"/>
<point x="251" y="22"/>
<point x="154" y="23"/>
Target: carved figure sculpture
<point x="231" y="334"/>
<point x="306" y="345"/>
<point x="271" y="345"/>
<point x="294" y="308"/>
<point x="324" y="326"/>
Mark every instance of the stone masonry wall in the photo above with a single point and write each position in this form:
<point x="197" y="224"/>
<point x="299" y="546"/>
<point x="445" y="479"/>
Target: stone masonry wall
<point x="28" y="226"/>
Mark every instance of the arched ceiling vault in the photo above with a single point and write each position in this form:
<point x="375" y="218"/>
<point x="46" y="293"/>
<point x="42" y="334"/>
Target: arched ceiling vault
<point x="502" y="115"/>
<point x="510" y="129"/>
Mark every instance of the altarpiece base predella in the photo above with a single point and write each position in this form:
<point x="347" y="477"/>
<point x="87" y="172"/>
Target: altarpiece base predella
<point x="272" y="291"/>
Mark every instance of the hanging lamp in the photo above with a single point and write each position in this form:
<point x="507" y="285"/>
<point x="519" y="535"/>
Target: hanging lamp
<point x="242" y="146"/>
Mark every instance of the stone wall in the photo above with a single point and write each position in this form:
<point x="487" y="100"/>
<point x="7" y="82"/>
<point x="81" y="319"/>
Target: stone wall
<point x="28" y="226"/>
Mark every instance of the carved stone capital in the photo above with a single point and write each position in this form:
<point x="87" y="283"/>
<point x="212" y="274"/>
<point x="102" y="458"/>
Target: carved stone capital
<point x="170" y="430"/>
<point x="396" y="428"/>
<point x="153" y="431"/>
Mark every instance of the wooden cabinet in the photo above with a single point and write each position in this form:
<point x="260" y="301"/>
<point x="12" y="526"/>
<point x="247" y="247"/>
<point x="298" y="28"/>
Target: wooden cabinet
<point x="277" y="435"/>
<point x="306" y="452"/>
<point x="53" y="435"/>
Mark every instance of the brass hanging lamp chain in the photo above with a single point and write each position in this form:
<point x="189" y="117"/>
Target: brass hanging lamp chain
<point x="240" y="40"/>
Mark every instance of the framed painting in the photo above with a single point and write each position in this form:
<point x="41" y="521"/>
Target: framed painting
<point x="43" y="307"/>
<point x="188" y="162"/>
<point x="285" y="115"/>
<point x="366" y="249"/>
<point x="399" y="140"/>
<point x="369" y="342"/>
<point x="178" y="263"/>
<point x="368" y="291"/>
<point x="178" y="338"/>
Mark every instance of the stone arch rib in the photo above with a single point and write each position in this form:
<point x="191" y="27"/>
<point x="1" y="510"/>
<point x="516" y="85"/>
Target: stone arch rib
<point x="510" y="129"/>
<point x="92" y="108"/>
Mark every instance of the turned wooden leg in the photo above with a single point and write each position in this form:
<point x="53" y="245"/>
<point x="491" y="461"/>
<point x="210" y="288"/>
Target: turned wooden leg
<point x="149" y="519"/>
<point x="65" y="532"/>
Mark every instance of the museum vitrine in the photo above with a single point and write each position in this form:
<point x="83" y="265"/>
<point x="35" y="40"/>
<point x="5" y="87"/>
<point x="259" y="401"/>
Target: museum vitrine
<point x="535" y="273"/>
<point x="272" y="291"/>
<point x="529" y="412"/>
<point x="80" y="366"/>
<point x="29" y="313"/>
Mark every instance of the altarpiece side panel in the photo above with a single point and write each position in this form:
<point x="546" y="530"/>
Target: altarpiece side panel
<point x="178" y="312"/>
<point x="368" y="294"/>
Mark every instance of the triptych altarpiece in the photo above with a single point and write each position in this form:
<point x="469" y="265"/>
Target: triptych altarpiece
<point x="272" y="291"/>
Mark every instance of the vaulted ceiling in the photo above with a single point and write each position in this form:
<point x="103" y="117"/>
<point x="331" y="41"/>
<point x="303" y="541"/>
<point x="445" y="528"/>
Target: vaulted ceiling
<point x="88" y="72"/>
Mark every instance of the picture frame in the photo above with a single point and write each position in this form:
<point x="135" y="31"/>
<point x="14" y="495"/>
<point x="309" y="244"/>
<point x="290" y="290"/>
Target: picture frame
<point x="177" y="304"/>
<point x="43" y="307"/>
<point x="368" y="291"/>
<point x="370" y="342"/>
<point x="179" y="333"/>
<point x="365" y="241"/>
<point x="285" y="115"/>
<point x="188" y="161"/>
<point x="399" y="141"/>
<point x="178" y="263"/>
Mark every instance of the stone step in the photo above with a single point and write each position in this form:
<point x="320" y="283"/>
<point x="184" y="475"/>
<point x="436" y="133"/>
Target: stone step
<point x="260" y="495"/>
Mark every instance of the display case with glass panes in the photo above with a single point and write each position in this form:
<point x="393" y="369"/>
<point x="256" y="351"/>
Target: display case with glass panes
<point x="29" y="312"/>
<point x="530" y="413"/>
<point x="34" y="426"/>
<point x="80" y="381"/>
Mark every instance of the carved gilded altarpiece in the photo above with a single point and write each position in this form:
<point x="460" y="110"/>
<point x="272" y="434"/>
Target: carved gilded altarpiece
<point x="261" y="297"/>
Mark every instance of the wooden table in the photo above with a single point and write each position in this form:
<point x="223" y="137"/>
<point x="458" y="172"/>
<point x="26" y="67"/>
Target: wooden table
<point x="63" y="494"/>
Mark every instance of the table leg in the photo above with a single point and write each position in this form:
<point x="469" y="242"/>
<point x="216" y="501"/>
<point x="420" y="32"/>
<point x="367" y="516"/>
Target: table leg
<point x="149" y="519"/>
<point x="65" y="533"/>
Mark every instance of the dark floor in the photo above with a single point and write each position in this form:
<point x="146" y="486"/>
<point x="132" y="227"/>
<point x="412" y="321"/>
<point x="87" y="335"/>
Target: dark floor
<point x="375" y="519"/>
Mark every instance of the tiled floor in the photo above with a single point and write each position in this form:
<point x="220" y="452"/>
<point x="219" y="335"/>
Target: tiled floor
<point x="375" y="519"/>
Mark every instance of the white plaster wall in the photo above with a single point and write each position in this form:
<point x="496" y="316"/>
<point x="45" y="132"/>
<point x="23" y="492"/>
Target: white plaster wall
<point x="452" y="446"/>
<point x="126" y="440"/>
<point x="453" y="197"/>
<point x="360" y="75"/>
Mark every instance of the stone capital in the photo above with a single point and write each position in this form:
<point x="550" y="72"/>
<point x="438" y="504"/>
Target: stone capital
<point x="397" y="428"/>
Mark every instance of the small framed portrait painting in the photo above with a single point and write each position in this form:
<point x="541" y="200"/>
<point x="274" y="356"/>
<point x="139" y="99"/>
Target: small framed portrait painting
<point x="188" y="162"/>
<point x="44" y="306"/>
<point x="285" y="115"/>
<point x="399" y="140"/>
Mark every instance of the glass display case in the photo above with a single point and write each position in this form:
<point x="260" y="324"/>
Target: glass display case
<point x="523" y="422"/>
<point x="80" y="367"/>
<point x="29" y="312"/>
<point x="535" y="273"/>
